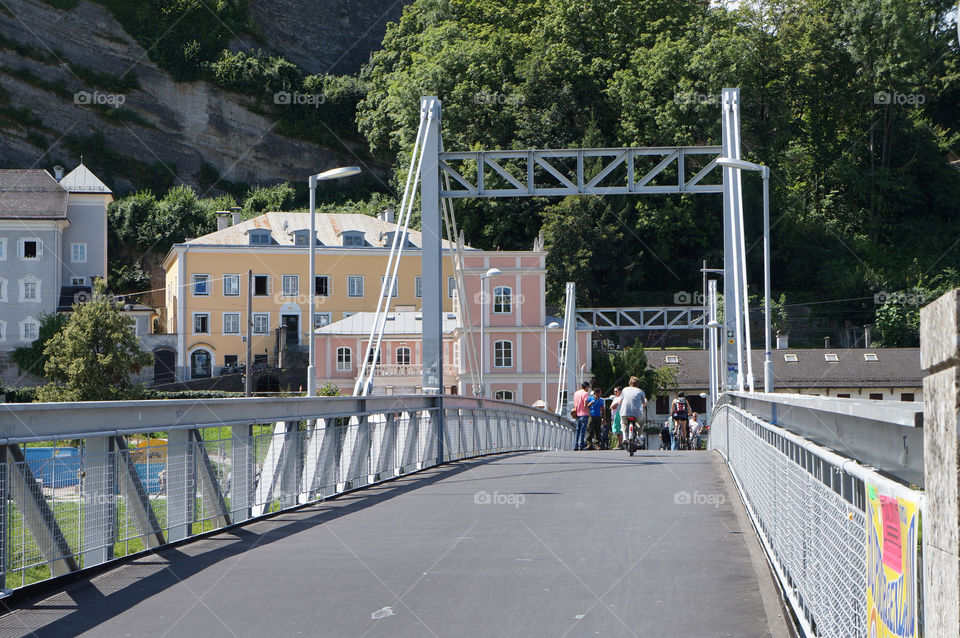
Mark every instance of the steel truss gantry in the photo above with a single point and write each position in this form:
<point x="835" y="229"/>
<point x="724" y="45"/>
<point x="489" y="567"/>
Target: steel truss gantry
<point x="614" y="171"/>
<point x="646" y="318"/>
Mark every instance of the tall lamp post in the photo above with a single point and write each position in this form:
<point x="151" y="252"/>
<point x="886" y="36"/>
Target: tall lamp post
<point x="765" y="174"/>
<point x="553" y="325"/>
<point x="334" y="173"/>
<point x="484" y="286"/>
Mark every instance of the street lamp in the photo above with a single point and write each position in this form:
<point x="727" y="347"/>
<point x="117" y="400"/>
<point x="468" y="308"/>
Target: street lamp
<point x="334" y="173"/>
<point x="493" y="272"/>
<point x="765" y="174"/>
<point x="553" y="325"/>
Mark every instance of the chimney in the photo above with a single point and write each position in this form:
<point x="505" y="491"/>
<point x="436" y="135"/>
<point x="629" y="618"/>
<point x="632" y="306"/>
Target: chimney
<point x="826" y="342"/>
<point x="235" y="214"/>
<point x="58" y="172"/>
<point x="782" y="341"/>
<point x="223" y="219"/>
<point x="389" y="215"/>
<point x="866" y="336"/>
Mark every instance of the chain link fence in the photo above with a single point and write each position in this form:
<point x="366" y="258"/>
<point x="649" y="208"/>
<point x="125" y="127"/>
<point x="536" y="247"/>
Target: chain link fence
<point x="808" y="505"/>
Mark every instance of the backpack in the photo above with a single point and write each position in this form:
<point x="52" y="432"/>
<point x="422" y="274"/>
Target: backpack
<point x="681" y="408"/>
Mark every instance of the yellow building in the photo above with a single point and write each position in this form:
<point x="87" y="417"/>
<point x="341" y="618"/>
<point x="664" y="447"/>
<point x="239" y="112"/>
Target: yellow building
<point x="207" y="282"/>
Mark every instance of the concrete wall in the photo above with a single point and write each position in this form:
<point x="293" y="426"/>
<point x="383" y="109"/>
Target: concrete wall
<point x="940" y="360"/>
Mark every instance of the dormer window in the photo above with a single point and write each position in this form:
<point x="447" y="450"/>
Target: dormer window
<point x="259" y="237"/>
<point x="353" y="238"/>
<point x="301" y="237"/>
<point x="388" y="238"/>
<point x="671" y="358"/>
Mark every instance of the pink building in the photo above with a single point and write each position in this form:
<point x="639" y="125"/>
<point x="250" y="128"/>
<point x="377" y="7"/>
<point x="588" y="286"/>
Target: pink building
<point x="521" y="353"/>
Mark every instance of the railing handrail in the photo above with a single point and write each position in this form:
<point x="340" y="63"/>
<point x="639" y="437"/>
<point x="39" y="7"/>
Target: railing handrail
<point x="25" y="422"/>
<point x="887" y="435"/>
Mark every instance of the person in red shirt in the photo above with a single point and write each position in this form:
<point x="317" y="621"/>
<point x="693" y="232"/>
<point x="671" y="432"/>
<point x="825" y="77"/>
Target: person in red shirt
<point x="583" y="415"/>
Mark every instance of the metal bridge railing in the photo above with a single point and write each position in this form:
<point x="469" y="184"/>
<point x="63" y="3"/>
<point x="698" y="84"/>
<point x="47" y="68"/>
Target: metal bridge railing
<point x="809" y="507"/>
<point x="86" y="483"/>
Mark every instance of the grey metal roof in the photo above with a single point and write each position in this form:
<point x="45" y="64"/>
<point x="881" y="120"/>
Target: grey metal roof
<point x="82" y="180"/>
<point x="31" y="194"/>
<point x="894" y="367"/>
<point x="397" y="323"/>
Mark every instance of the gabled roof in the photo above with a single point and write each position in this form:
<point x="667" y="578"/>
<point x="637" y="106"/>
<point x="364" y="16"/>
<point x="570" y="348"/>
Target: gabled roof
<point x="894" y="367"/>
<point x="329" y="227"/>
<point x="31" y="194"/>
<point x="81" y="180"/>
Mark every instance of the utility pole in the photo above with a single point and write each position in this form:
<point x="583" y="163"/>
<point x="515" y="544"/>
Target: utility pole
<point x="248" y="374"/>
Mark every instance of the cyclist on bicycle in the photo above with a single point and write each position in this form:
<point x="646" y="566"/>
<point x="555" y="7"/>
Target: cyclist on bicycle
<point x="633" y="402"/>
<point x="680" y="410"/>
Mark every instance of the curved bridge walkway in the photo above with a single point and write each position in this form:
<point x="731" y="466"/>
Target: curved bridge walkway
<point x="531" y="544"/>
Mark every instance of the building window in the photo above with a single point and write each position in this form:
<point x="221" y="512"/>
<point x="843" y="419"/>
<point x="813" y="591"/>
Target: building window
<point x="418" y="285"/>
<point x="30" y="289"/>
<point x="344" y="359"/>
<point x="201" y="323"/>
<point x="231" y="285"/>
<point x="261" y="238"/>
<point x="200" y="364"/>
<point x="261" y="285"/>
<point x="201" y="285"/>
<point x="3" y="248"/>
<point x="78" y="253"/>
<point x="876" y="396"/>
<point x="371" y="359"/>
<point x="456" y="355"/>
<point x="663" y="404"/>
<point x="843" y="395"/>
<point x="31" y="249"/>
<point x="231" y="323"/>
<point x="3" y="289"/>
<point x="3" y="330"/>
<point x="393" y="293"/>
<point x="503" y="354"/>
<point x="230" y="360"/>
<point x="502" y="300"/>
<point x="78" y="281"/>
<point x="29" y="329"/>
<point x="403" y="356"/>
<point x="355" y="286"/>
<point x="261" y="323"/>
<point x="907" y="396"/>
<point x="291" y="285"/>
<point x="451" y="286"/>
<point x="321" y="285"/>
<point x="353" y="238"/>
<point x="561" y="351"/>
<point x="503" y="395"/>
<point x="301" y="237"/>
<point x="321" y="319"/>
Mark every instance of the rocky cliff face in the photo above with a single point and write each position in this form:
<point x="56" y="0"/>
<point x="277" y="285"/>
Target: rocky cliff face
<point x="326" y="36"/>
<point x="47" y="55"/>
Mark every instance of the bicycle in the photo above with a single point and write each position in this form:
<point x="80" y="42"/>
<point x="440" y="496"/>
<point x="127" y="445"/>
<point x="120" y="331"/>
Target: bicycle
<point x="634" y="439"/>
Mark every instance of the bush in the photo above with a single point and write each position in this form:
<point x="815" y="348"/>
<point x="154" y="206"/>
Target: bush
<point x="20" y="395"/>
<point x="254" y="73"/>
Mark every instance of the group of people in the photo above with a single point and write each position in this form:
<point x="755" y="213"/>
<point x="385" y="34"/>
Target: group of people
<point x="627" y="406"/>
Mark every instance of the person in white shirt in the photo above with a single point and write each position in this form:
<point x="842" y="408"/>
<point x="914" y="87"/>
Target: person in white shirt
<point x="633" y="403"/>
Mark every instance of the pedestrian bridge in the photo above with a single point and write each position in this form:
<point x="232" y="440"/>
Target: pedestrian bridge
<point x="423" y="515"/>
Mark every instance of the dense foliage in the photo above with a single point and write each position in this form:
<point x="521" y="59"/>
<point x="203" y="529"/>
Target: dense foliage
<point x="852" y="103"/>
<point x="616" y="368"/>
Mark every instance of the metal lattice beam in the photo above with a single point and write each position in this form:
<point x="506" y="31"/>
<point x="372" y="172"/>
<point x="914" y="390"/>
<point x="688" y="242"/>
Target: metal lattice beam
<point x="621" y="171"/>
<point x="647" y="318"/>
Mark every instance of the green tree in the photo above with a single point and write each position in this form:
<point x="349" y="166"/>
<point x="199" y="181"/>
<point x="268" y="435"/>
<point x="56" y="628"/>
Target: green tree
<point x="613" y="369"/>
<point x="32" y="358"/>
<point x="262" y="199"/>
<point x="93" y="357"/>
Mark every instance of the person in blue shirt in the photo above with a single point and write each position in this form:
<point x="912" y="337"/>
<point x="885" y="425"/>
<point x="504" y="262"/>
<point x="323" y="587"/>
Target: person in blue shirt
<point x="595" y="404"/>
